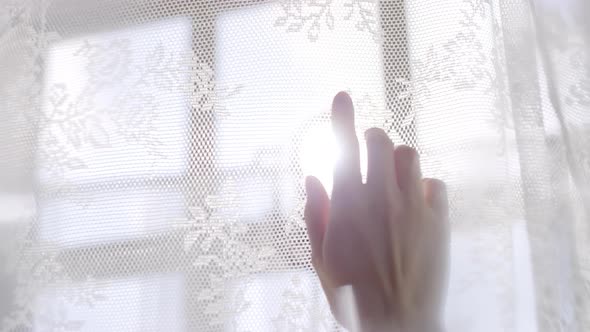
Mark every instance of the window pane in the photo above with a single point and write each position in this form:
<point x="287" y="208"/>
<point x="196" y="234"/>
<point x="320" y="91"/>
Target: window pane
<point x="116" y="104"/>
<point x="91" y="218"/>
<point x="114" y="126"/>
<point x="141" y="303"/>
<point x="289" y="301"/>
<point x="276" y="90"/>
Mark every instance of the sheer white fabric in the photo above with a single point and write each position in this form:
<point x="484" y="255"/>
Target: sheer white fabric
<point x="152" y="155"/>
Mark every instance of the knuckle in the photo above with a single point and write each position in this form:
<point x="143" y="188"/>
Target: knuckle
<point x="406" y="153"/>
<point x="438" y="185"/>
<point x="376" y="135"/>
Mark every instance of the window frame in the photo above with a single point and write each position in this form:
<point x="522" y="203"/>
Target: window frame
<point x="123" y="258"/>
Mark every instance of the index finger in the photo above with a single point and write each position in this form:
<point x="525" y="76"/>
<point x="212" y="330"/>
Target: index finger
<point x="347" y="173"/>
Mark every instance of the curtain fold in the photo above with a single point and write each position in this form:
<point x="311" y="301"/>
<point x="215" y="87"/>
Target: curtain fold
<point x="152" y="155"/>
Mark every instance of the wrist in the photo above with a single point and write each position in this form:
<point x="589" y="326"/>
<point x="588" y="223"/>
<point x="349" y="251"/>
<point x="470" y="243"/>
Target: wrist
<point x="391" y="326"/>
<point x="422" y="324"/>
<point x="423" y="327"/>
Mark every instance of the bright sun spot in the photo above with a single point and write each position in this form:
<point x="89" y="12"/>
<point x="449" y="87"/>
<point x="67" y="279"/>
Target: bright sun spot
<point x="320" y="152"/>
<point x="320" y="155"/>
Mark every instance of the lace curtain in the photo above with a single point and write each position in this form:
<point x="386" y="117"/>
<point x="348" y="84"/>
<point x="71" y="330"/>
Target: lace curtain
<point x="152" y="155"/>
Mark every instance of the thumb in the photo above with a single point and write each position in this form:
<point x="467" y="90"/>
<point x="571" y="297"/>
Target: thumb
<point x="317" y="212"/>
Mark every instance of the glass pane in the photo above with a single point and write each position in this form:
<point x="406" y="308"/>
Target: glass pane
<point x="92" y="218"/>
<point x="263" y="121"/>
<point x="116" y="104"/>
<point x="114" y="125"/>
<point x="288" y="301"/>
<point x="141" y="303"/>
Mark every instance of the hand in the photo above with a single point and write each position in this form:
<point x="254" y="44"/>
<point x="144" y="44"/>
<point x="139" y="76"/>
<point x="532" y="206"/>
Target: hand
<point x="388" y="238"/>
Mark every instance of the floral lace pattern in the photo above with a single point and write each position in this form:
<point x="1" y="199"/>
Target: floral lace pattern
<point x="119" y="162"/>
<point x="312" y="16"/>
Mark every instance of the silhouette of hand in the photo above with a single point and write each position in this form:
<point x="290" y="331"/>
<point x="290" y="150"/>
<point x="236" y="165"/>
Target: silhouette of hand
<point x="387" y="240"/>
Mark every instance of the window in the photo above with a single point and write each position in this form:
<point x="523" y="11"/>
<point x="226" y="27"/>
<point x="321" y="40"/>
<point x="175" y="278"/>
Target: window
<point x="114" y="127"/>
<point x="128" y="241"/>
<point x="245" y="134"/>
<point x="135" y="303"/>
<point x="108" y="111"/>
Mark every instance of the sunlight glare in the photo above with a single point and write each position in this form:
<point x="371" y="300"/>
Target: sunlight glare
<point x="321" y="152"/>
<point x="319" y="155"/>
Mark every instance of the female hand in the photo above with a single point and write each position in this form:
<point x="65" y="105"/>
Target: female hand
<point x="387" y="239"/>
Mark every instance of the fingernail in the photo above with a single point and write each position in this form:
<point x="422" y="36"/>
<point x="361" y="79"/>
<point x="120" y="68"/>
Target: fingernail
<point x="342" y="104"/>
<point x="341" y="99"/>
<point x="374" y="134"/>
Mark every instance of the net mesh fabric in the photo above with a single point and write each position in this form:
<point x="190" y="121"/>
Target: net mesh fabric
<point x="153" y="155"/>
